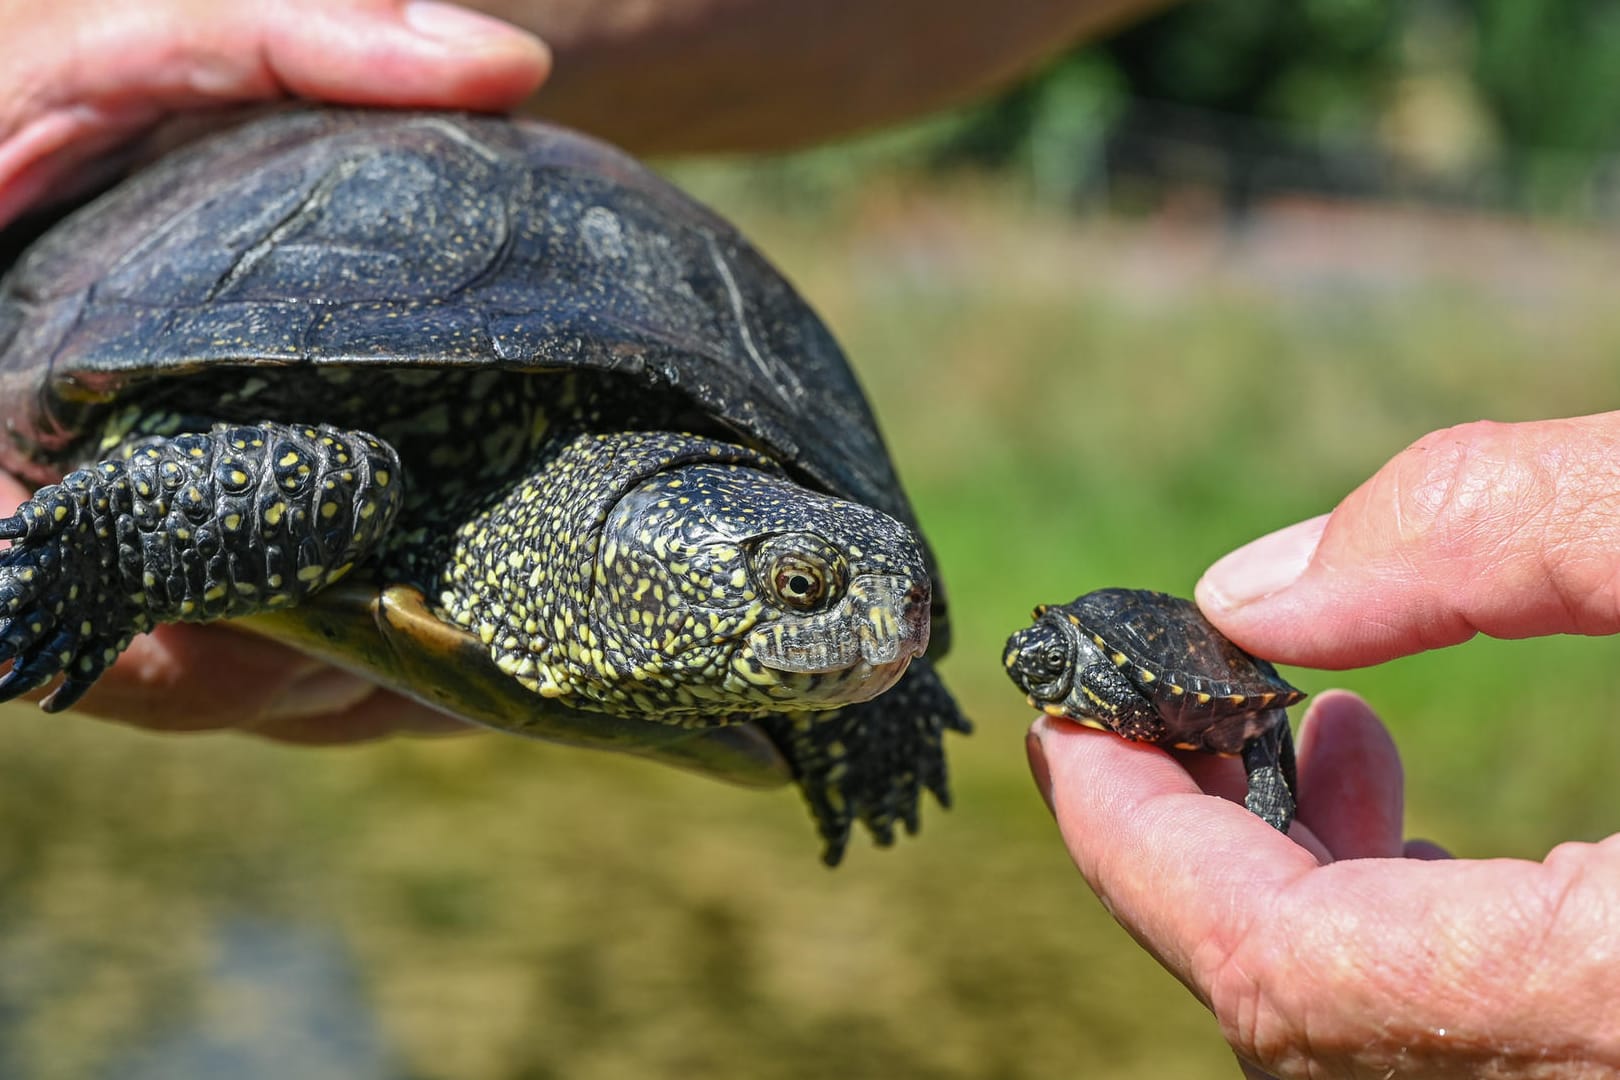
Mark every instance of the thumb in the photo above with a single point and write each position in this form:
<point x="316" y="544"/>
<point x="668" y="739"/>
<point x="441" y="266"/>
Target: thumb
<point x="1511" y="530"/>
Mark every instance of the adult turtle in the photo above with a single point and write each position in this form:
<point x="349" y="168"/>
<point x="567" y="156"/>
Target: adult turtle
<point x="1150" y="667"/>
<point x="483" y="409"/>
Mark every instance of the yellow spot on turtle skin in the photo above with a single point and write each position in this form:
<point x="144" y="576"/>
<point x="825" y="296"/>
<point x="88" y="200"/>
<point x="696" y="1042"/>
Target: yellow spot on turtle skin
<point x="232" y="522"/>
<point x="1203" y="699"/>
<point x="274" y="513"/>
<point x="1091" y="696"/>
<point x="1051" y="709"/>
<point x="196" y="451"/>
<point x="238" y="478"/>
<point x="1186" y="746"/>
<point x="311" y="573"/>
<point x="1264" y="700"/>
<point x="187" y="607"/>
<point x="1118" y="659"/>
<point x="274" y="581"/>
<point x="381" y="477"/>
<point x="367" y="509"/>
<point x="1091" y="722"/>
<point x="1177" y="690"/>
<point x="1236" y="699"/>
<point x="1145" y="675"/>
<point x="328" y="510"/>
<point x="217" y="592"/>
<point x="289" y="458"/>
<point x="59" y="513"/>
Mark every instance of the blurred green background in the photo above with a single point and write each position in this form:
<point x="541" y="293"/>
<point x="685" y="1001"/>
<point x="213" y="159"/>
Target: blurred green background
<point x="1095" y="365"/>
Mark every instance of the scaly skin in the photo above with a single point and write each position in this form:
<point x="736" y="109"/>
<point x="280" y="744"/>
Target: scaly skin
<point x="191" y="528"/>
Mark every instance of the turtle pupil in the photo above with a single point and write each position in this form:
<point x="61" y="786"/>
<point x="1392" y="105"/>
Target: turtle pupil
<point x="799" y="585"/>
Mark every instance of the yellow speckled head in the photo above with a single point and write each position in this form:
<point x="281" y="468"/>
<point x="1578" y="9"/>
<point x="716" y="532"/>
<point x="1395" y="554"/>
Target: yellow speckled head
<point x="676" y="577"/>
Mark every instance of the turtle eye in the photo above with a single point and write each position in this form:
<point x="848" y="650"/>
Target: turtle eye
<point x="798" y="582"/>
<point x="799" y="571"/>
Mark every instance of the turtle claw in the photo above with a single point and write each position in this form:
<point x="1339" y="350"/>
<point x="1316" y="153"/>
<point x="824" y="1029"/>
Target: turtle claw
<point x="1268" y="759"/>
<point x="36" y="667"/>
<point x="56" y="607"/>
<point x="1269" y="799"/>
<point x="871" y="762"/>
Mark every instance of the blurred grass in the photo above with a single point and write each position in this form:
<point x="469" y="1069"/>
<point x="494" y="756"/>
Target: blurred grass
<point x="1073" y="404"/>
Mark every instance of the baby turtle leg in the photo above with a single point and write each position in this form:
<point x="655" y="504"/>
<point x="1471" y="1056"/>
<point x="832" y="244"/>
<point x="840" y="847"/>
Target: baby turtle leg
<point x="1268" y="759"/>
<point x="195" y="527"/>
<point x="870" y="762"/>
<point x="1105" y="697"/>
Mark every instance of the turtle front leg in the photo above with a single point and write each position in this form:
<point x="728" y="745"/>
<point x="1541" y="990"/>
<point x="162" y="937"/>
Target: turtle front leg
<point x="191" y="528"/>
<point x="1268" y="759"/>
<point x="871" y="761"/>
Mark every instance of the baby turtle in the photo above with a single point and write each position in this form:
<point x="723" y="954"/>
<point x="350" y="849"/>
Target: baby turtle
<point x="489" y="412"/>
<point x="1150" y="667"/>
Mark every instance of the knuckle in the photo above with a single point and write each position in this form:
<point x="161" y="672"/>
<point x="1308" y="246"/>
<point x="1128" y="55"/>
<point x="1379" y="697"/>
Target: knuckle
<point x="1485" y="510"/>
<point x="1452" y="486"/>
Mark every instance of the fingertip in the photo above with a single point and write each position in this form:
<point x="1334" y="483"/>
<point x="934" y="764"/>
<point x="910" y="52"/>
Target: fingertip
<point x="1038" y="768"/>
<point x="479" y="41"/>
<point x="1352" y="785"/>
<point x="1259" y="568"/>
<point x="1425" y="850"/>
<point x="420" y="53"/>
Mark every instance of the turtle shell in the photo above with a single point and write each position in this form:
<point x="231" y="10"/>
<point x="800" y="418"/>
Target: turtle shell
<point x="374" y="240"/>
<point x="1169" y="651"/>
<point x="382" y="238"/>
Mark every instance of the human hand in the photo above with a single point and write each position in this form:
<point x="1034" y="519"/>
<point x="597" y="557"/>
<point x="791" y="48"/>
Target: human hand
<point x="79" y="78"/>
<point x="1342" y="950"/>
<point x="1332" y="953"/>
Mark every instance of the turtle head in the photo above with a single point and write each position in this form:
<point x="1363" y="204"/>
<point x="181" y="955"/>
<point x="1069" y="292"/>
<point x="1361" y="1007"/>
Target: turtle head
<point x="1041" y="659"/>
<point x="725" y="585"/>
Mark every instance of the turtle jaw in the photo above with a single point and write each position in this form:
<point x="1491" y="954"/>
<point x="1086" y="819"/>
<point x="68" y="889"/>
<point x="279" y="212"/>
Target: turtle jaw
<point x="856" y="649"/>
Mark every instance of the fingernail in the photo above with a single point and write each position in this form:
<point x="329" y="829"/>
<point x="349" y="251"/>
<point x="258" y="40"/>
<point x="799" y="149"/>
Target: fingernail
<point x="320" y="692"/>
<point x="452" y="23"/>
<point x="1038" y="767"/>
<point x="1263" y="567"/>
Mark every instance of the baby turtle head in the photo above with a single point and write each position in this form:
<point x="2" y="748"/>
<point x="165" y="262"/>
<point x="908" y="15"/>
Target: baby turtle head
<point x="1041" y="659"/>
<point x="726" y="586"/>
